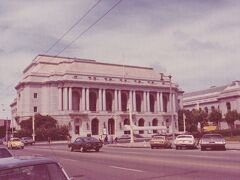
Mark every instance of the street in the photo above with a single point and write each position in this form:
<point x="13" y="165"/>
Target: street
<point x="113" y="163"/>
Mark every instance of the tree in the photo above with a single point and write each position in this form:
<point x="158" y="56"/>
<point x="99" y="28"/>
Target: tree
<point x="199" y="116"/>
<point x="231" y="117"/>
<point x="45" y="126"/>
<point x="215" y="116"/>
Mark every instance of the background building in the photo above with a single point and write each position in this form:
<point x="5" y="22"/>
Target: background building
<point x="93" y="97"/>
<point x="224" y="98"/>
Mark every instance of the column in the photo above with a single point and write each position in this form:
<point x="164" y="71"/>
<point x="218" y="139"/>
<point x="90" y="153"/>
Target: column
<point x="115" y="101"/>
<point x="174" y="102"/>
<point x="60" y="98"/>
<point x="65" y="98"/>
<point x="161" y="102"/>
<point x="158" y="103"/>
<point x="148" y="102"/>
<point x="144" y="102"/>
<point x="87" y="99"/>
<point x="104" y="99"/>
<point x="134" y="101"/>
<point x="70" y="98"/>
<point x="119" y="101"/>
<point x="100" y="99"/>
<point x="83" y="99"/>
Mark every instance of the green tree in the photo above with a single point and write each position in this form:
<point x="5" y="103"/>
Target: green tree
<point x="231" y="117"/>
<point x="45" y="126"/>
<point x="199" y="116"/>
<point x="215" y="116"/>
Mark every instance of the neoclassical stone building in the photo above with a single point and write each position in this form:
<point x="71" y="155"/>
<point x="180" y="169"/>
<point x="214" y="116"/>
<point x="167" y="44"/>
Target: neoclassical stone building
<point x="93" y="97"/>
<point x="224" y="98"/>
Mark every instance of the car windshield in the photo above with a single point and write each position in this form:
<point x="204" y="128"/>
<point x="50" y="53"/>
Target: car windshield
<point x="184" y="136"/>
<point x="159" y="137"/>
<point x="36" y="172"/>
<point x="90" y="139"/>
<point x="15" y="139"/>
<point x="213" y="136"/>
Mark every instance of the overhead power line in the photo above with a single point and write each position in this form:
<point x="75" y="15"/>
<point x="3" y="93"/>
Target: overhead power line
<point x="88" y="28"/>
<point x="75" y="24"/>
<point x="58" y="40"/>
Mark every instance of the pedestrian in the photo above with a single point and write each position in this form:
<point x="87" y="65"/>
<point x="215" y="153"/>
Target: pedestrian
<point x="49" y="140"/>
<point x="106" y="140"/>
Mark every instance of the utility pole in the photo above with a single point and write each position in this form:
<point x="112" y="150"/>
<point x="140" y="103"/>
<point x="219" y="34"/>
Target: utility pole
<point x="171" y="105"/>
<point x="131" y="123"/>
<point x="33" y="127"/>
<point x="184" y="123"/>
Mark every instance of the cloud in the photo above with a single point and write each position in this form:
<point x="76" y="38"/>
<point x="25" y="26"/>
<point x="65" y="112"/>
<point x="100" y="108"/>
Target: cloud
<point x="195" y="41"/>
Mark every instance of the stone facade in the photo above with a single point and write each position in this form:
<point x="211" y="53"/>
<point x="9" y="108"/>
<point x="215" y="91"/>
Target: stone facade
<point x="224" y="98"/>
<point x="93" y="97"/>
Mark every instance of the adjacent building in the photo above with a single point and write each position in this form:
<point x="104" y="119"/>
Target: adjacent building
<point x="224" y="98"/>
<point x="94" y="97"/>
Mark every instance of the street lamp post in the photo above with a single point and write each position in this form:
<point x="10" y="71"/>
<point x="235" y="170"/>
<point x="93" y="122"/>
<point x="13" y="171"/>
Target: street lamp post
<point x="33" y="127"/>
<point x="171" y="106"/>
<point x="131" y="123"/>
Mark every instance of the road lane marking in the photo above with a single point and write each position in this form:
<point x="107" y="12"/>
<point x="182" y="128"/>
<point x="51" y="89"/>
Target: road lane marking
<point x="127" y="169"/>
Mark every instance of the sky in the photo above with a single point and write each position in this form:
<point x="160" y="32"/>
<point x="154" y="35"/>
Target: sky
<point x="195" y="41"/>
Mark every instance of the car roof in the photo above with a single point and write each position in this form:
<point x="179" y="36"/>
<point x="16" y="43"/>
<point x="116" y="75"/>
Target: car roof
<point x="21" y="161"/>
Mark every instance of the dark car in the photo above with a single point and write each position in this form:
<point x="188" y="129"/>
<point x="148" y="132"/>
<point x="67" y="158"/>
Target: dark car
<point x="27" y="140"/>
<point x="212" y="141"/>
<point x="31" y="168"/>
<point x="85" y="143"/>
<point x="4" y="152"/>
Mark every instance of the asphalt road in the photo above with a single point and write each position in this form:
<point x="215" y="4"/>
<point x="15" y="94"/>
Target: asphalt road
<point x="142" y="164"/>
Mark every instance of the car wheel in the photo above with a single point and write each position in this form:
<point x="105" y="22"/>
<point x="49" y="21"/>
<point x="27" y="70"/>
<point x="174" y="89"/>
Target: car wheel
<point x="177" y="147"/>
<point x="71" y="149"/>
<point x="224" y="148"/>
<point x="152" y="147"/>
<point x="82" y="149"/>
<point x="22" y="147"/>
<point x="97" y="149"/>
<point x="203" y="148"/>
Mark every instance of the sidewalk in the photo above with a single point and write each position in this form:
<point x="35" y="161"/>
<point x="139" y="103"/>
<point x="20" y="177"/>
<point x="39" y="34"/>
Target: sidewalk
<point x="229" y="145"/>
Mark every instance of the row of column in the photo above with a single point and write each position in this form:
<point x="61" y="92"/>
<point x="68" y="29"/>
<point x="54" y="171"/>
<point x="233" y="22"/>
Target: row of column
<point x="65" y="100"/>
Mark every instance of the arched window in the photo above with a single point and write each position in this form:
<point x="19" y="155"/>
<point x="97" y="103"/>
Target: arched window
<point x="111" y="126"/>
<point x="95" y="127"/>
<point x="141" y="123"/>
<point x="155" y="123"/>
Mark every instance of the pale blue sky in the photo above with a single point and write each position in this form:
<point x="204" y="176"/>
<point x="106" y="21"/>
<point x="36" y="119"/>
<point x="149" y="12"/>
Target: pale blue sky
<point x="195" y="41"/>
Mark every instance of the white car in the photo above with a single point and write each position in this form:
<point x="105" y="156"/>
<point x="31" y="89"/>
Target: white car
<point x="187" y="141"/>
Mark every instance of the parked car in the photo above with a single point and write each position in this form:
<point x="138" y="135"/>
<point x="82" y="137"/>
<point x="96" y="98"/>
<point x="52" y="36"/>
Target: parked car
<point x="158" y="141"/>
<point x="29" y="168"/>
<point x="27" y="140"/>
<point x="187" y="141"/>
<point x="85" y="143"/>
<point x="4" y="153"/>
<point x="15" y="143"/>
<point x="212" y="141"/>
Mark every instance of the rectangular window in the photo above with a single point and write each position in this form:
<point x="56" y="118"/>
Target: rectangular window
<point x="35" y="95"/>
<point x="35" y="109"/>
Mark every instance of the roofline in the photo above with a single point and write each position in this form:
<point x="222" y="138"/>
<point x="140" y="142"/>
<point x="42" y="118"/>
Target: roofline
<point x="86" y="61"/>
